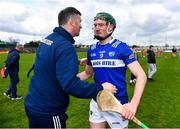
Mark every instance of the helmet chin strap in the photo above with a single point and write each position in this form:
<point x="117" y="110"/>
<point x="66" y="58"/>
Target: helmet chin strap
<point x="103" y="38"/>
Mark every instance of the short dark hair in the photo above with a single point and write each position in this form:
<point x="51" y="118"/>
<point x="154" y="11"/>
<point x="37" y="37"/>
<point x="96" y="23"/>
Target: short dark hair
<point x="151" y="46"/>
<point x="66" y="13"/>
<point x="134" y="46"/>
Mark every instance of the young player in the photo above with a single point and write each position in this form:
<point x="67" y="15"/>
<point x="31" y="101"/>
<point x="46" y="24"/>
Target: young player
<point x="108" y="59"/>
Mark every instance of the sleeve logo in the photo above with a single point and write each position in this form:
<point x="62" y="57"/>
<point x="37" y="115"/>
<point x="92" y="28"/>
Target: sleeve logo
<point x="131" y="56"/>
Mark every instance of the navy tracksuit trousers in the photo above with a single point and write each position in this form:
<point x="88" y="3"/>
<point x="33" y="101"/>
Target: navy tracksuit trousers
<point x="14" y="78"/>
<point x="46" y="121"/>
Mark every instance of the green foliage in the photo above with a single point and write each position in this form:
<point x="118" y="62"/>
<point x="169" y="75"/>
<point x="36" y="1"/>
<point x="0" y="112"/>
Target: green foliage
<point x="32" y="44"/>
<point x="159" y="107"/>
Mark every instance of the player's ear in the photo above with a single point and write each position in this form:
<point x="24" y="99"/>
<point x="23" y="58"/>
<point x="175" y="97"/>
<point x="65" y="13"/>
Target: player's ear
<point x="110" y="27"/>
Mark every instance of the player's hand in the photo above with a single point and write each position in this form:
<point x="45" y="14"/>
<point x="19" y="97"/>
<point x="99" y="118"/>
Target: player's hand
<point x="5" y="72"/>
<point x="83" y="61"/>
<point x="108" y="86"/>
<point x="129" y="111"/>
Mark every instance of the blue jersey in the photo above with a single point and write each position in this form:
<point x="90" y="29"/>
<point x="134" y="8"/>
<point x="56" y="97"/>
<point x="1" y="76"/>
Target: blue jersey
<point x="109" y="63"/>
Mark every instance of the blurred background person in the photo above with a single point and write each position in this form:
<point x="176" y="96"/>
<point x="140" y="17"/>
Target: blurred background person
<point x="12" y="66"/>
<point x="133" y="78"/>
<point x="151" y="58"/>
<point x="174" y="51"/>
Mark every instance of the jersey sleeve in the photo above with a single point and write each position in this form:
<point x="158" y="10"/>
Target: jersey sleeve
<point x="126" y="54"/>
<point x="88" y="57"/>
<point x="66" y="72"/>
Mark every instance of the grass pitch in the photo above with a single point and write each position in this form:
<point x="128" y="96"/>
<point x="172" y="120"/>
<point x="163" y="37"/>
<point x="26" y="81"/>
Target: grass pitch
<point x="159" y="107"/>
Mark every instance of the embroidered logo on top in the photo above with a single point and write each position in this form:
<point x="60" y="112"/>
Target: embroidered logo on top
<point x="47" y="41"/>
<point x="102" y="51"/>
<point x="131" y="56"/>
<point x="93" y="46"/>
<point x="93" y="54"/>
<point x="111" y="54"/>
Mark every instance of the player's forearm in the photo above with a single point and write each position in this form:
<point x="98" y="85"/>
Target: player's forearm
<point x="139" y="88"/>
<point x="83" y="75"/>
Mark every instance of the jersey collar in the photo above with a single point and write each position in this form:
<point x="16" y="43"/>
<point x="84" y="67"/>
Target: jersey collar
<point x="110" y="42"/>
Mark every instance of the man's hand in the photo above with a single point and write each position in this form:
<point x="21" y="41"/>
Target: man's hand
<point x="108" y="86"/>
<point x="5" y="72"/>
<point x="83" y="61"/>
<point x="129" y="111"/>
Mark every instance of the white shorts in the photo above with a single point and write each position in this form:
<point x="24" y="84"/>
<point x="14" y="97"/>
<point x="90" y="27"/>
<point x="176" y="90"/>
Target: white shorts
<point x="114" y="119"/>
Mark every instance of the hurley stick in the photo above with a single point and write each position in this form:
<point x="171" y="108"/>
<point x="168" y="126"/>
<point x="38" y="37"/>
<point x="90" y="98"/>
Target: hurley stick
<point x="107" y="102"/>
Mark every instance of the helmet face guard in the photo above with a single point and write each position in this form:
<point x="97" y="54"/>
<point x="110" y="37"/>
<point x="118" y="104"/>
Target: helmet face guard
<point x="109" y="21"/>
